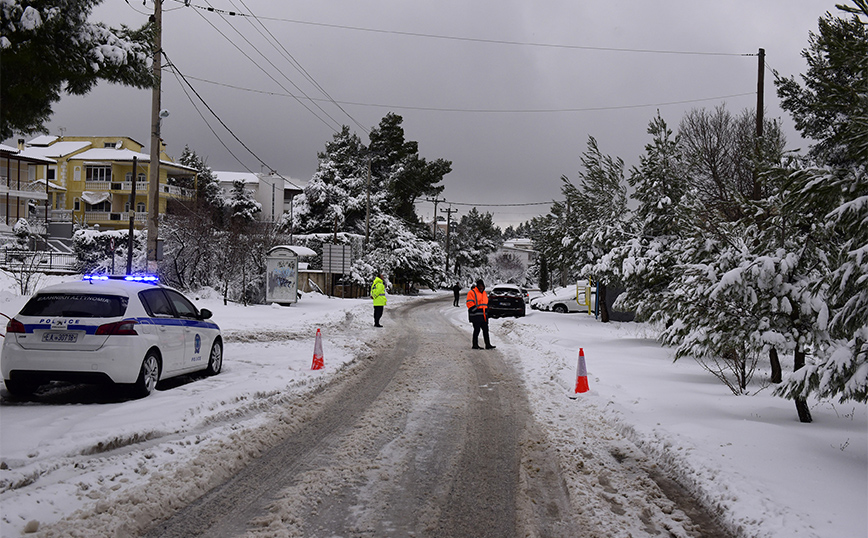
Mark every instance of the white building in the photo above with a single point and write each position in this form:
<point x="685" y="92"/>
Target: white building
<point x="520" y="249"/>
<point x="273" y="191"/>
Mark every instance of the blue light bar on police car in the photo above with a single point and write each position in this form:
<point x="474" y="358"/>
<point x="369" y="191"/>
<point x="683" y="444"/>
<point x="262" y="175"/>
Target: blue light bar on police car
<point x="152" y="279"/>
<point x="142" y="278"/>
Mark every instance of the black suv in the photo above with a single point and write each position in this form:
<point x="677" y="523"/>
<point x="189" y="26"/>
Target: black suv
<point x="505" y="300"/>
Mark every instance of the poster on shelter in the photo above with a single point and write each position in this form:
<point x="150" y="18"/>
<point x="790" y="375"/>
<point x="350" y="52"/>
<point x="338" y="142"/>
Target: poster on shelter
<point x="282" y="281"/>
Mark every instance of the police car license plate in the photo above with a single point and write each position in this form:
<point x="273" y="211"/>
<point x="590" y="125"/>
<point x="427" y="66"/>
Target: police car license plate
<point x="60" y="336"/>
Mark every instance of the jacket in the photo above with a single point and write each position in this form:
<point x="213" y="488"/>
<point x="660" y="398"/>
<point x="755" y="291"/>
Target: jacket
<point x="378" y="292"/>
<point x="477" y="305"/>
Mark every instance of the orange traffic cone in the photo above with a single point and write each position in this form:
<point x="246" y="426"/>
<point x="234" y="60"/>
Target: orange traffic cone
<point x="582" y="374"/>
<point x="317" y="353"/>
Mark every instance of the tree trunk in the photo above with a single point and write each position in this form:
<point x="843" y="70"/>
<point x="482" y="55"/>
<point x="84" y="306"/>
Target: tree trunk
<point x="601" y="300"/>
<point x="801" y="404"/>
<point x="777" y="374"/>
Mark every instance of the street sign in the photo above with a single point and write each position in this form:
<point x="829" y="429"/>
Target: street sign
<point x="337" y="259"/>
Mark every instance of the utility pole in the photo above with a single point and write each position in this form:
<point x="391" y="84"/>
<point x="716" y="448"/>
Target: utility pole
<point x="448" y="212"/>
<point x="154" y="168"/>
<point x="368" y="209"/>
<point x="434" y="224"/>
<point x="130" y="242"/>
<point x="760" y="82"/>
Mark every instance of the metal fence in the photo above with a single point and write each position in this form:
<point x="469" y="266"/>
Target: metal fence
<point x="37" y="260"/>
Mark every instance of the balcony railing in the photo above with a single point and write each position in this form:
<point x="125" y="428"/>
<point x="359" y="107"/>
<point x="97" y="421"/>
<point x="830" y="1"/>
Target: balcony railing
<point x="98" y="217"/>
<point x="141" y="187"/>
<point x="24" y="189"/>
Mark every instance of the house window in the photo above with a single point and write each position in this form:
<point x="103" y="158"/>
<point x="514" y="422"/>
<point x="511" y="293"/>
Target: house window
<point x="51" y="173"/>
<point x="140" y="207"/>
<point x="102" y="206"/>
<point x="76" y="204"/>
<point x="129" y="177"/>
<point x="98" y="173"/>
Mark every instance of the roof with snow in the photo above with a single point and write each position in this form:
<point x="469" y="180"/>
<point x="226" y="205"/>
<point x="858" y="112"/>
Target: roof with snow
<point x="124" y="155"/>
<point x="57" y="150"/>
<point x="251" y="178"/>
<point x="25" y="155"/>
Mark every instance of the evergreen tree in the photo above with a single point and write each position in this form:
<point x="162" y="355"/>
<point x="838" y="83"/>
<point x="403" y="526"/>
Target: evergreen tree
<point x="647" y="263"/>
<point x="476" y="238"/>
<point x="400" y="172"/>
<point x="241" y="206"/>
<point x="600" y="206"/>
<point x="208" y="191"/>
<point x="833" y="109"/>
<point x="49" y="46"/>
<point x="337" y="193"/>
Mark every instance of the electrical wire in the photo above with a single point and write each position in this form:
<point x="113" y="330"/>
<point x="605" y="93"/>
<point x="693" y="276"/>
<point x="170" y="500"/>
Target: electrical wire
<point x="187" y="3"/>
<point x="299" y="100"/>
<point x="484" y="110"/>
<point x="211" y="110"/>
<point x="297" y="65"/>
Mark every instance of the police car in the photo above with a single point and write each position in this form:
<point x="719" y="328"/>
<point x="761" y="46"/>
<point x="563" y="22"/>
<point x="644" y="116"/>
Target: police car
<point x="127" y="330"/>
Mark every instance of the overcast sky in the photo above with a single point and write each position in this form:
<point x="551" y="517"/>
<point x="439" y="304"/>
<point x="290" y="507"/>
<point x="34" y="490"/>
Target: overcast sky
<point x="508" y="90"/>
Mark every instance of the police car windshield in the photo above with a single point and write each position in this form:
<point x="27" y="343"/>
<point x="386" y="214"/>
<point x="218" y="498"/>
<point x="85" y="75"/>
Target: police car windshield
<point x="77" y="305"/>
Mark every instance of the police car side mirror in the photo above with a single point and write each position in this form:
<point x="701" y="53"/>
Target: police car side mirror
<point x="205" y="313"/>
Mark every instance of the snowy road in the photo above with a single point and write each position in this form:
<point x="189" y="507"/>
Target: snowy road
<point x="429" y="438"/>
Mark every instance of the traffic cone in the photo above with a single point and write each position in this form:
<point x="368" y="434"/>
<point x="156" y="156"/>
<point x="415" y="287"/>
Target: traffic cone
<point x="582" y="374"/>
<point x="317" y="353"/>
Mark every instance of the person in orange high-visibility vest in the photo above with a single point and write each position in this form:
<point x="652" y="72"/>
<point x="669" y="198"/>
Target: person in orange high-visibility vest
<point x="477" y="312"/>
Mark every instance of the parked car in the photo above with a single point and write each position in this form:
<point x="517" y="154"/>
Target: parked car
<point x="561" y="300"/>
<point x="505" y="300"/>
<point x="105" y="330"/>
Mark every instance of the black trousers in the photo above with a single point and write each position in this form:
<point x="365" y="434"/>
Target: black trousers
<point x="481" y="326"/>
<point x="455" y="302"/>
<point x="378" y="313"/>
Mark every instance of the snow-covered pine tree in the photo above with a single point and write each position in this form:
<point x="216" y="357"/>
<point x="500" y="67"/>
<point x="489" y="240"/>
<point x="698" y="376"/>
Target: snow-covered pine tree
<point x="241" y="205"/>
<point x="50" y="46"/>
<point x="336" y="194"/>
<point x="399" y="253"/>
<point x="601" y="206"/>
<point x="832" y="108"/>
<point x="473" y="240"/>
<point x="648" y="261"/>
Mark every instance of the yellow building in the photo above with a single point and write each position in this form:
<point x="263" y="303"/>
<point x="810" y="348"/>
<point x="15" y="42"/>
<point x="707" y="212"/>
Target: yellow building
<point x="92" y="180"/>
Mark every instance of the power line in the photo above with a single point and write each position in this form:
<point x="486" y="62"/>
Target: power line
<point x="298" y="99"/>
<point x="297" y="65"/>
<point x="466" y="39"/>
<point x="482" y="110"/>
<point x="181" y="75"/>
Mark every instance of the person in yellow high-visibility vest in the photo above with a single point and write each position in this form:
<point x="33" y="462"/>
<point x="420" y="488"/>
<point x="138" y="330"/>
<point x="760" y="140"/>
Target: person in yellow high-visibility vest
<point x="378" y="294"/>
<point x="477" y="312"/>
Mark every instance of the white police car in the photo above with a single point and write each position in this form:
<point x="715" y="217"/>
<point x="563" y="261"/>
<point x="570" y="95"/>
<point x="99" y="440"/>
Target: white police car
<point x="129" y="330"/>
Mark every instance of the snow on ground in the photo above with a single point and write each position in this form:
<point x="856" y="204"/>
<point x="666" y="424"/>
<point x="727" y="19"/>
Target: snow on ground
<point x="749" y="456"/>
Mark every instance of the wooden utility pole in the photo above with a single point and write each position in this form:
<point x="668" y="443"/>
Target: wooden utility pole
<point x="368" y="204"/>
<point x="130" y="242"/>
<point x="434" y="225"/>
<point x="154" y="165"/>
<point x="448" y="212"/>
<point x="758" y="144"/>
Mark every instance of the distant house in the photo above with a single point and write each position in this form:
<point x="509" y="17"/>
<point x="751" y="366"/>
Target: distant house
<point x="91" y="177"/>
<point x="273" y="191"/>
<point x="519" y="248"/>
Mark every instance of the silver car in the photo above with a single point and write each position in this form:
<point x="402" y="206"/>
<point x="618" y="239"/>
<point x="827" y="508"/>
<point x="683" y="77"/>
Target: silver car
<point x="106" y="330"/>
